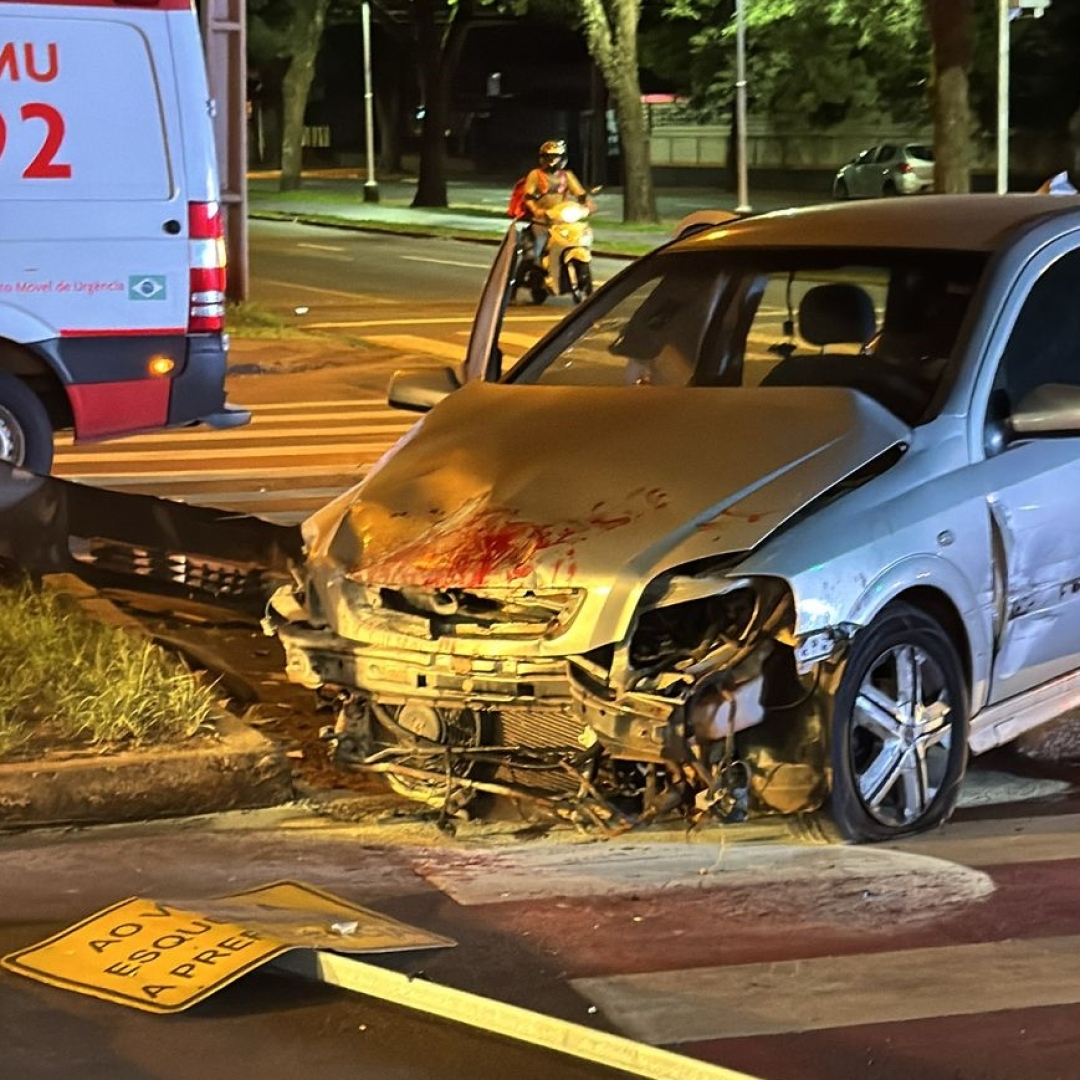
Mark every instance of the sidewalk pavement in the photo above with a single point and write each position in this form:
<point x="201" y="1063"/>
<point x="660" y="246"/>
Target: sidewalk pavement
<point x="477" y="207"/>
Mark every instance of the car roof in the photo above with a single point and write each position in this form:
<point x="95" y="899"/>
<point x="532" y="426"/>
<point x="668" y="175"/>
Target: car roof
<point x="920" y="222"/>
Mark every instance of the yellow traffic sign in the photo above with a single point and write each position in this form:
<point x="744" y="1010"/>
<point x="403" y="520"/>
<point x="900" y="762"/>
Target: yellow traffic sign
<point x="164" y="957"/>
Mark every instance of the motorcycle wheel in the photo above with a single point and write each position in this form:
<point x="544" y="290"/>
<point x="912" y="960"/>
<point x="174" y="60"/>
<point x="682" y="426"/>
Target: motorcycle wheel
<point x="582" y="286"/>
<point x="538" y="295"/>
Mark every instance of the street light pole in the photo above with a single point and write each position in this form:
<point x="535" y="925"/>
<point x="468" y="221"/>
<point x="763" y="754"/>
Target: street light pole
<point x="743" y="206"/>
<point x="371" y="189"/>
<point x="1003" y="98"/>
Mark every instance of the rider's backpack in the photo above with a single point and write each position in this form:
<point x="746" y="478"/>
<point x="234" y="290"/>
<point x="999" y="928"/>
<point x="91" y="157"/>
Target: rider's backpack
<point x="516" y="208"/>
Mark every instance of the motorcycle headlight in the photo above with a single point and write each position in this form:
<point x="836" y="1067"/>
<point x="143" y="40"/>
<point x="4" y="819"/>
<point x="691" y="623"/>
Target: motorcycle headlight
<point x="573" y="213"/>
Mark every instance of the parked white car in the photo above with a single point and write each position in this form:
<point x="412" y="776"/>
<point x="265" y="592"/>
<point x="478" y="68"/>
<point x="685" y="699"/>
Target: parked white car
<point x="784" y="516"/>
<point x="888" y="169"/>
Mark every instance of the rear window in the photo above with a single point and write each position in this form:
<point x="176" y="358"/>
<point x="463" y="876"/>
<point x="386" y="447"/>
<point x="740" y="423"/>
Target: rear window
<point x="920" y="150"/>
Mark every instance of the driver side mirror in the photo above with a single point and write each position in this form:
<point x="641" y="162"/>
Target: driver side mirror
<point x="1050" y="409"/>
<point x="420" y="390"/>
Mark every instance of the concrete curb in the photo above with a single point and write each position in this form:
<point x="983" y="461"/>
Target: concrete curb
<point x="232" y="768"/>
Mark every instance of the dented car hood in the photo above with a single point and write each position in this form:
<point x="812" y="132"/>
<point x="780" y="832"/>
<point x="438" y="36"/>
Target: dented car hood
<point x="538" y="486"/>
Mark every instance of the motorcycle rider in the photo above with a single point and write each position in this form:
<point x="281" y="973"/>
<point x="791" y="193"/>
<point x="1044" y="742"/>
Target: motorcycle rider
<point x="551" y="182"/>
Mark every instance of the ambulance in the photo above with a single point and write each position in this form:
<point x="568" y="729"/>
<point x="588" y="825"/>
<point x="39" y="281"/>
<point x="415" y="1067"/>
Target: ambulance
<point x="112" y="252"/>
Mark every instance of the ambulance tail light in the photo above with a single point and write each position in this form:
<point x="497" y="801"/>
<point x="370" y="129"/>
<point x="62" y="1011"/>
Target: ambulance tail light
<point x="206" y="245"/>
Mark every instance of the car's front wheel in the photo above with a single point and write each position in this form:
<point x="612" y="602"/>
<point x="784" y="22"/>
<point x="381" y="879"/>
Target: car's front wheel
<point x="840" y="189"/>
<point x="899" y="730"/>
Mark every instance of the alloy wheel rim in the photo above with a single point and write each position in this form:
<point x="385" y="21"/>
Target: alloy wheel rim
<point x="12" y="443"/>
<point x="900" y="737"/>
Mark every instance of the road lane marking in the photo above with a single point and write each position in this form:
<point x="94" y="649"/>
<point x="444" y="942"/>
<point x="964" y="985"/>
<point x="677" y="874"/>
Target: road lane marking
<point x="501" y="1018"/>
<point x="665" y="1008"/>
<point x="414" y="343"/>
<point x="188" y="478"/>
<point x="445" y="262"/>
<point x="986" y="843"/>
<point x="366" y="298"/>
<point x="199" y="453"/>
<point x="440" y="320"/>
<point x="320" y="247"/>
<point x="331" y="403"/>
<point x="628" y="869"/>
<point x="522" y="341"/>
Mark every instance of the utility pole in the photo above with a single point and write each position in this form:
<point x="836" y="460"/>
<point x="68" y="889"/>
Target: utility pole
<point x="743" y="206"/>
<point x="371" y="188"/>
<point x="1007" y="11"/>
<point x="224" y="30"/>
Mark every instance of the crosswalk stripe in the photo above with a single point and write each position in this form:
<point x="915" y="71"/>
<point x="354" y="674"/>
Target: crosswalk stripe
<point x="983" y="843"/>
<point x="414" y="343"/>
<point x="523" y="341"/>
<point x="189" y="479"/>
<point x="347" y="403"/>
<point x="779" y="997"/>
<point x="179" y="453"/>
<point x="138" y="445"/>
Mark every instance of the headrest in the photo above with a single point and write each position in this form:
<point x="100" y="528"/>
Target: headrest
<point x="839" y="312"/>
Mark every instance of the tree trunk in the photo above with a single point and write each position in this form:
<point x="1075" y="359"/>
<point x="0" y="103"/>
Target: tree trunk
<point x="639" y="201"/>
<point x="388" y="110"/>
<point x="431" y="182"/>
<point x="309" y="19"/>
<point x="952" y="36"/>
<point x="439" y="52"/>
<point x="613" y="46"/>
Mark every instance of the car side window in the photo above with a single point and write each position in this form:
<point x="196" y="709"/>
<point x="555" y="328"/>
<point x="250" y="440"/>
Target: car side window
<point x="866" y="156"/>
<point x="886" y="153"/>
<point x="1044" y="346"/>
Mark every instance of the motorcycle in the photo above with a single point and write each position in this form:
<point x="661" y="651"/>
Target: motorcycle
<point x="565" y="264"/>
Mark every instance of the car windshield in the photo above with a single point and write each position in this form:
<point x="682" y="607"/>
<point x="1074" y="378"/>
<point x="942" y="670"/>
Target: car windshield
<point x="881" y="322"/>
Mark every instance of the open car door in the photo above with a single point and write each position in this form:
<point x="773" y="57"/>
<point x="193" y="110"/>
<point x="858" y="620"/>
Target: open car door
<point x="483" y="358"/>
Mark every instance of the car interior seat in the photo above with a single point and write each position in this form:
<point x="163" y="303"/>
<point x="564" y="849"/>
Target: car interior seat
<point x="838" y="313"/>
<point x="835" y="314"/>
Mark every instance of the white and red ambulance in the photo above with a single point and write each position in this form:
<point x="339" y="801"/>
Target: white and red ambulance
<point x="112" y="254"/>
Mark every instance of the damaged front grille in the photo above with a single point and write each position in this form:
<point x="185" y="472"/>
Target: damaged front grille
<point x="484" y="613"/>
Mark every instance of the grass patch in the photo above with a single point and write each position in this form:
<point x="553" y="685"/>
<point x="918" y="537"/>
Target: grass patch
<point x="244" y="319"/>
<point x="70" y="680"/>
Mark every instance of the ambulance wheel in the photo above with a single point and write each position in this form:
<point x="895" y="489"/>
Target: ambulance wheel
<point x="26" y="437"/>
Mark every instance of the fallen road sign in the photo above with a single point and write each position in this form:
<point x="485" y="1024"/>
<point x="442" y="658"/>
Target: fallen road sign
<point x="164" y="957"/>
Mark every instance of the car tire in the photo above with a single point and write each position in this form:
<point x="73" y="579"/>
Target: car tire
<point x="899" y="729"/>
<point x="840" y="190"/>
<point x="888" y="189"/>
<point x="26" y="435"/>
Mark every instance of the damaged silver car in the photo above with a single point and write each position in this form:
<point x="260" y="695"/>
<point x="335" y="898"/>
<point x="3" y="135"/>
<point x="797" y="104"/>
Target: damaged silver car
<point x="785" y="516"/>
